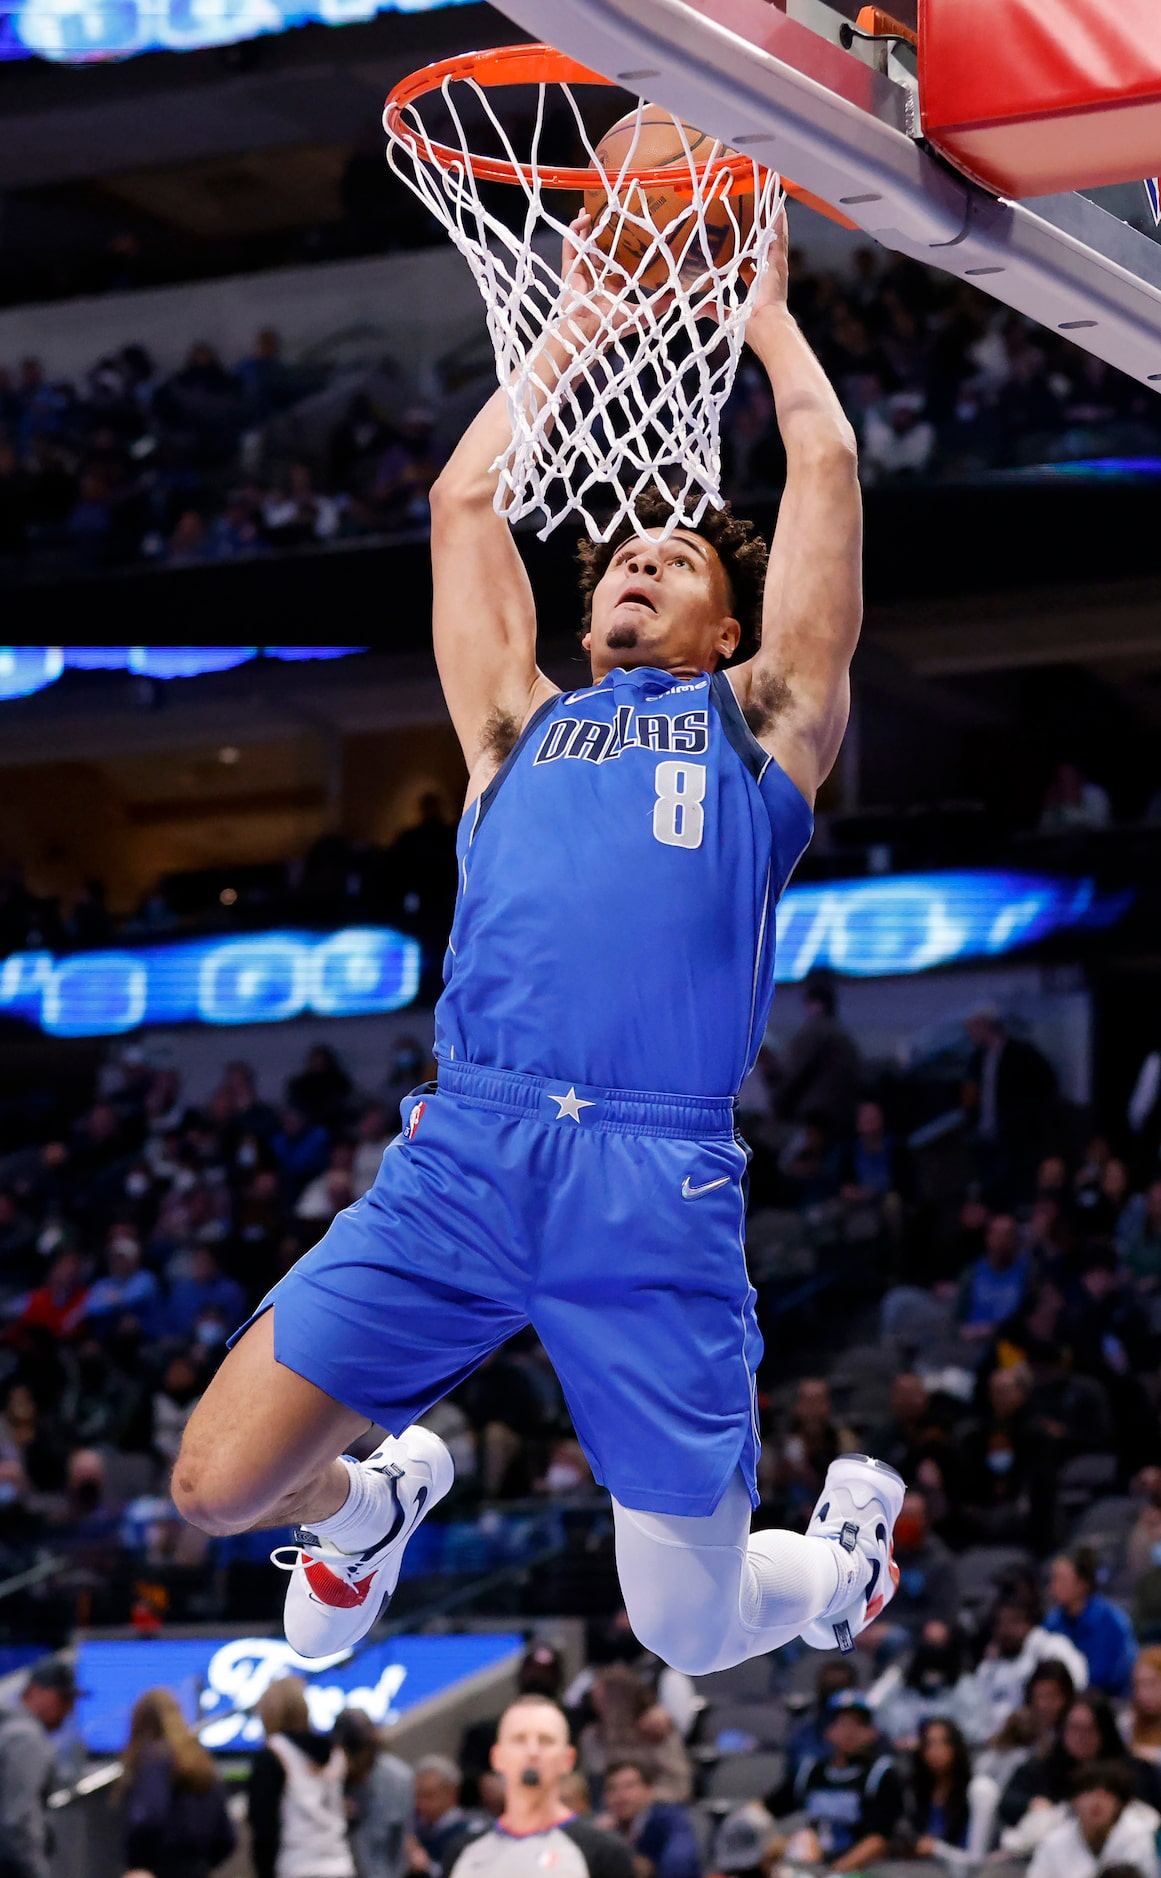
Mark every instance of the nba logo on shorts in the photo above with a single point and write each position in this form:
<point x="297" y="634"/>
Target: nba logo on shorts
<point x="414" y="1119"/>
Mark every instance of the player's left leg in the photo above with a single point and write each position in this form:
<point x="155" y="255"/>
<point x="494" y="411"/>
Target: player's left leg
<point x="706" y="1593"/>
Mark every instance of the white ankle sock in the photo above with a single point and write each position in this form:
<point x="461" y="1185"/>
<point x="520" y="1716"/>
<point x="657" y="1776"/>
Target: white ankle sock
<point x="366" y="1513"/>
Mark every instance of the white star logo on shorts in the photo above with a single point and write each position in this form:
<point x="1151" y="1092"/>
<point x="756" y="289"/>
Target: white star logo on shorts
<point x="570" y="1104"/>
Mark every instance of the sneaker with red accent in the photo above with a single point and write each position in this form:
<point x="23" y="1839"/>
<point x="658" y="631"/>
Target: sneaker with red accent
<point x="860" y="1501"/>
<point x="334" y="1597"/>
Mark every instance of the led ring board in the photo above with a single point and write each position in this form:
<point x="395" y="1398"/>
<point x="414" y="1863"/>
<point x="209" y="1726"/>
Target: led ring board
<point x="877" y="928"/>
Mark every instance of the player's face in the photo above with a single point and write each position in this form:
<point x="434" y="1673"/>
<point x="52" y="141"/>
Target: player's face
<point x="662" y="603"/>
<point x="533" y="1737"/>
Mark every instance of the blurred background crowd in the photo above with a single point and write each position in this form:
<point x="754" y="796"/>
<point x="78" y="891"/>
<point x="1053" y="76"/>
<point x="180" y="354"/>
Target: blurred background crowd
<point x="231" y="458"/>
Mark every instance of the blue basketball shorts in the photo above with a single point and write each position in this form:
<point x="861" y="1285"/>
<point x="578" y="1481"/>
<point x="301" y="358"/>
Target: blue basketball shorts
<point x="609" y="1220"/>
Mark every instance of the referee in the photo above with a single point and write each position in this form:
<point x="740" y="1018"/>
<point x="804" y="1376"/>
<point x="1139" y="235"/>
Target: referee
<point x="537" y="1831"/>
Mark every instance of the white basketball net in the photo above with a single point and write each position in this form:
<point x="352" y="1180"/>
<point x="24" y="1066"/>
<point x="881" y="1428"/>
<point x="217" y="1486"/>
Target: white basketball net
<point x="637" y="405"/>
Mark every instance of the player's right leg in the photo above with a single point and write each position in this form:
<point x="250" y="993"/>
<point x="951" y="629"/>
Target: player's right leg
<point x="406" y="1292"/>
<point x="265" y="1447"/>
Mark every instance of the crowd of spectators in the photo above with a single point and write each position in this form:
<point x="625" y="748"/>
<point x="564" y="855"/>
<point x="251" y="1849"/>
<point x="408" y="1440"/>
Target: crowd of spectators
<point x="131" y="465"/>
<point x="134" y="466"/>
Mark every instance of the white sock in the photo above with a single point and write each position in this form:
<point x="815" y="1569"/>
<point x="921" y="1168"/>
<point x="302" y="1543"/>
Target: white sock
<point x="366" y="1513"/>
<point x="793" y="1579"/>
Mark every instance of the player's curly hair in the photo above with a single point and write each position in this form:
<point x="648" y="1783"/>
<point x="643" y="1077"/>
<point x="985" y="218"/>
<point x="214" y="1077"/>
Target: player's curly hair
<point x="737" y="543"/>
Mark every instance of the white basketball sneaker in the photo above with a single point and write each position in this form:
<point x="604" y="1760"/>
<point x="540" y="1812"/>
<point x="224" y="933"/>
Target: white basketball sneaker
<point x="334" y="1597"/>
<point x="860" y="1501"/>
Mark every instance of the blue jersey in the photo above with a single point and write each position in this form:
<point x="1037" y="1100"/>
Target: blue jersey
<point x="618" y="880"/>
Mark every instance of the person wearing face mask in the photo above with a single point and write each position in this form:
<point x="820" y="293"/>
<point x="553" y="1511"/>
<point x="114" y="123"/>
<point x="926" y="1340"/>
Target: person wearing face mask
<point x="996" y="1465"/>
<point x="207" y="1305"/>
<point x="904" y="1700"/>
<point x="928" y="1577"/>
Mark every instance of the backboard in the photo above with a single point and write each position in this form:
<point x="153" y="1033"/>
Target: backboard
<point x="789" y="82"/>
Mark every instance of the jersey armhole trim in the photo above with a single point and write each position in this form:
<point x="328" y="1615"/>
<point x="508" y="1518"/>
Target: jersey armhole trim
<point x="738" y="733"/>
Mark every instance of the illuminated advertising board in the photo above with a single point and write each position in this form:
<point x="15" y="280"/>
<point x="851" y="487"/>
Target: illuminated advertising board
<point x="218" y="1679"/>
<point x="85" y="31"/>
<point x="259" y="979"/>
<point x="862" y="928"/>
<point x="907" y="923"/>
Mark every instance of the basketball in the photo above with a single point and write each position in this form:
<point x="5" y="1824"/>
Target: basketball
<point x="728" y="216"/>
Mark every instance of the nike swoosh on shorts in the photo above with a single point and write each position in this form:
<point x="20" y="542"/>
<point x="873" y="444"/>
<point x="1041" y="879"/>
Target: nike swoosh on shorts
<point x="689" y="1192"/>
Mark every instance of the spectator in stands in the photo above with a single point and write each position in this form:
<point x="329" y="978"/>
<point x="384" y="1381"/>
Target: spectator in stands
<point x="322" y="1088"/>
<point x="808" y="1742"/>
<point x="173" y="1404"/>
<point x="1105" y="1826"/>
<point x="1141" y="1720"/>
<point x="852" y="1798"/>
<point x="1009" y="1097"/>
<point x="296" y="1799"/>
<point x="126" y="1292"/>
<point x="189" y="544"/>
<point x="207" y="1305"/>
<point x="813" y="1440"/>
<point x="820" y="1069"/>
<point x="441" y="1823"/>
<point x="928" y="1575"/>
<point x="268" y="384"/>
<point x="28" y="1766"/>
<point x="1088" y="1733"/>
<point x="380" y="1798"/>
<point x="945" y="1811"/>
<point x="57" y="1307"/>
<point x="1098" y="1628"/>
<point x="993" y="1288"/>
<point x="630" y="1725"/>
<point x="661" y="1837"/>
<point x="915" y="1691"/>
<point x="898" y="439"/>
<point x="302" y="1149"/>
<point x="1073" y="801"/>
<point x="538" y="1830"/>
<point x="872" y="1167"/>
<point x="328" y="1193"/>
<point x="298" y="513"/>
<point x="401" y="480"/>
<point x="1017" y="1646"/>
<point x="173" y="1805"/>
<point x="996" y="1461"/>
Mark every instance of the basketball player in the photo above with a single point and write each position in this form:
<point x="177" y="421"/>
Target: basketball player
<point x="609" y="976"/>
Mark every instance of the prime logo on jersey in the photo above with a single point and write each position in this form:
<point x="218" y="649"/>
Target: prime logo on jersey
<point x="686" y="734"/>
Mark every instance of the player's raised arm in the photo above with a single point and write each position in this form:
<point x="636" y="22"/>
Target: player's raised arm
<point x="796" y="690"/>
<point x="484" y="616"/>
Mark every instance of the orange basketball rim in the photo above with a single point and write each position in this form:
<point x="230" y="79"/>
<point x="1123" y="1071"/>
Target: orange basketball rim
<point x="544" y="65"/>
